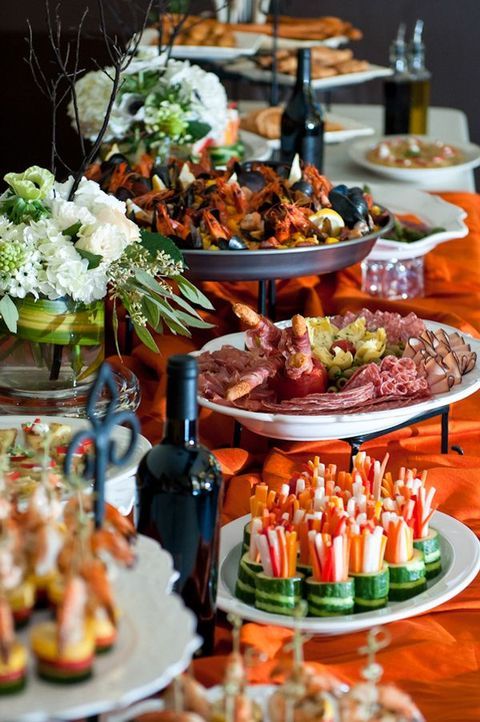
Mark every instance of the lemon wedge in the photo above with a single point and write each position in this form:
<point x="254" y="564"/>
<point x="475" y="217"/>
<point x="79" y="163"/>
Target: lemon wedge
<point x="328" y="221"/>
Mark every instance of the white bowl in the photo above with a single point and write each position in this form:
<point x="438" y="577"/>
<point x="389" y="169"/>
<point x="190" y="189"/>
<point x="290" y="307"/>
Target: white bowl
<point x="420" y="176"/>
<point x="432" y="210"/>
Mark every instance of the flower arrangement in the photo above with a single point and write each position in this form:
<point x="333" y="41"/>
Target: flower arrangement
<point x="55" y="245"/>
<point x="160" y="103"/>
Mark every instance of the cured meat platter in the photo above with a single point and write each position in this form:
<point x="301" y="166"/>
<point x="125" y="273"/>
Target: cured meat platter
<point x="335" y="420"/>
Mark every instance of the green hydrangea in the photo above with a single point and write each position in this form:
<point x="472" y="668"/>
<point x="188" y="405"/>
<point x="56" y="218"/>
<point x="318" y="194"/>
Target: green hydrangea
<point x="12" y="257"/>
<point x="166" y="120"/>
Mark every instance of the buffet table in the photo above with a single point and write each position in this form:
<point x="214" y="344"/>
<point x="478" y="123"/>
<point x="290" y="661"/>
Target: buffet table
<point x="435" y="657"/>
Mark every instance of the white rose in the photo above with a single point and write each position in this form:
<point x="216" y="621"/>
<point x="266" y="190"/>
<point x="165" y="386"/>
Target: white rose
<point x="106" y="241"/>
<point x="67" y="214"/>
<point x="117" y="218"/>
<point x="90" y="195"/>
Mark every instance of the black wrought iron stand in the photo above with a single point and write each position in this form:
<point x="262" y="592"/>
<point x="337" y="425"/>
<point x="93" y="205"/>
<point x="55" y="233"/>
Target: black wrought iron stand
<point x="355" y="442"/>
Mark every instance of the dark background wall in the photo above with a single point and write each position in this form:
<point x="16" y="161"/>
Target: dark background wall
<point x="451" y="35"/>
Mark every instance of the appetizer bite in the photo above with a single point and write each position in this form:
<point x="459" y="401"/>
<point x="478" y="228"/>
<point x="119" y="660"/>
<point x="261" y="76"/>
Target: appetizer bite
<point x="13" y="654"/>
<point x="361" y="540"/>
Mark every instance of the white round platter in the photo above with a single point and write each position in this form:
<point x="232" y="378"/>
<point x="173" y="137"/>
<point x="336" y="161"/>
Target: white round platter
<point x="156" y="642"/>
<point x="291" y="427"/>
<point x="259" y="693"/>
<point x="246" y="43"/>
<point x="460" y="560"/>
<point x="121" y="436"/>
<point x="430" y="209"/>
<point x="420" y="176"/>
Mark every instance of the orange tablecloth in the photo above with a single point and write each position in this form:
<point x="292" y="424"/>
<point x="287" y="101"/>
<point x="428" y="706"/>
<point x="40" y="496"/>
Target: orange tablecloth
<point x="435" y="657"/>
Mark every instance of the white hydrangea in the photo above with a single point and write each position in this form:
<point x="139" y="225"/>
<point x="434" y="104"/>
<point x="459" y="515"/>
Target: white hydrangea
<point x="203" y="92"/>
<point x="93" y="92"/>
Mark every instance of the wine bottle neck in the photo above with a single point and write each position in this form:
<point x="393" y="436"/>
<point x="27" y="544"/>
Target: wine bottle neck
<point x="180" y="432"/>
<point x="303" y="68"/>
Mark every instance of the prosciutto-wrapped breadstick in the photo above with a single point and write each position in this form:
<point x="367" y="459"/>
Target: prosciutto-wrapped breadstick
<point x="262" y="333"/>
<point x="297" y="349"/>
<point x="254" y="377"/>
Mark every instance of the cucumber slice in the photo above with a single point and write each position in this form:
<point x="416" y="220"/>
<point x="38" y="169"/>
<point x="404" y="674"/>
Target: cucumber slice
<point x="430" y="546"/>
<point x="245" y="586"/>
<point x="246" y="536"/>
<point x="305" y="569"/>
<point x="433" y="569"/>
<point x="327" y="599"/>
<point x="407" y="580"/>
<point x="371" y="589"/>
<point x="278" y="595"/>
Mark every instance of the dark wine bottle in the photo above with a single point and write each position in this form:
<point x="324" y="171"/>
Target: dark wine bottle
<point x="302" y="119"/>
<point x="398" y="88"/>
<point x="179" y="485"/>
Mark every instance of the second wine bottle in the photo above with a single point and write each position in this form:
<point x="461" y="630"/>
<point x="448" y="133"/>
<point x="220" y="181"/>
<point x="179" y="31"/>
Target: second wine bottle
<point x="179" y="486"/>
<point x="302" y="120"/>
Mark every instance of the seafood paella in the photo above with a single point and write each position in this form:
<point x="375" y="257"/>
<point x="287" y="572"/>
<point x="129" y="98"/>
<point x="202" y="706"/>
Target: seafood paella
<point x="245" y="207"/>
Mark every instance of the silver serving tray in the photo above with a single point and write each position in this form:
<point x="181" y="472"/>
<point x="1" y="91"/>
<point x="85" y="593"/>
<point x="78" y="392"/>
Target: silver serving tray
<point x="269" y="264"/>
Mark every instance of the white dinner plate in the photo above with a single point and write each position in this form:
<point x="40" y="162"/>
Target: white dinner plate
<point x="420" y="176"/>
<point x="121" y="435"/>
<point x="156" y="641"/>
<point x="245" y="67"/>
<point x="256" y="146"/>
<point x="350" y="129"/>
<point x="245" y="44"/>
<point x="291" y="427"/>
<point x="432" y="210"/>
<point x="460" y="564"/>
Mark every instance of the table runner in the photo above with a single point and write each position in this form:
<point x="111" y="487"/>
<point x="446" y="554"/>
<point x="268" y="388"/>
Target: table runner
<point x="434" y="657"/>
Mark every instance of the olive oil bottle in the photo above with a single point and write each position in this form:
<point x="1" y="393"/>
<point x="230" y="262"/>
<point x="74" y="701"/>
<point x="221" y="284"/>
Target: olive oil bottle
<point x="420" y="99"/>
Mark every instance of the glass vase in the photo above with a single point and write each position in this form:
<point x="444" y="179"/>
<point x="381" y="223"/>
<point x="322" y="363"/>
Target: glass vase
<point x="53" y="357"/>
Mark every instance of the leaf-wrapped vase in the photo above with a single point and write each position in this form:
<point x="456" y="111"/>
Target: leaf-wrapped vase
<point x="55" y="352"/>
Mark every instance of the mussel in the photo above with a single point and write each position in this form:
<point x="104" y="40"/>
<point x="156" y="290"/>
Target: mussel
<point x="123" y="194"/>
<point x="252" y="179"/>
<point x="108" y="166"/>
<point x="235" y="243"/>
<point x="350" y="203"/>
<point x="304" y="187"/>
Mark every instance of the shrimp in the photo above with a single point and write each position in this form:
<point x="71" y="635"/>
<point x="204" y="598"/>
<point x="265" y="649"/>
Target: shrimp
<point x="95" y="575"/>
<point x="71" y="612"/>
<point x="108" y="541"/>
<point x="7" y="635"/>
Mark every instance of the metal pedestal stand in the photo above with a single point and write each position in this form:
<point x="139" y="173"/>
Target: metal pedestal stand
<point x="355" y="442"/>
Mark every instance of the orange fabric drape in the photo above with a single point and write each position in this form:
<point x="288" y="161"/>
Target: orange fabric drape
<point x="435" y="657"/>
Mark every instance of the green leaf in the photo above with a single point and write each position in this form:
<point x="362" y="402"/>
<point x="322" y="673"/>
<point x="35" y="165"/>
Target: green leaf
<point x="194" y="322"/>
<point x="170" y="316"/>
<point x="146" y="337"/>
<point x="9" y="313"/>
<point x="115" y="326"/>
<point x="93" y="259"/>
<point x="146" y="280"/>
<point x="177" y="328"/>
<point x="197" y="129"/>
<point x="151" y="311"/>
<point x="72" y="232"/>
<point x="192" y="293"/>
<point x="154" y="242"/>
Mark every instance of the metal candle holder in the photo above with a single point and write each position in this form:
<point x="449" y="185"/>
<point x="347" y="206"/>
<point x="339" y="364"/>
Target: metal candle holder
<point x="101" y="435"/>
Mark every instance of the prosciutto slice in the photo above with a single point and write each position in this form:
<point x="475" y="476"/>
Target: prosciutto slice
<point x="398" y="328"/>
